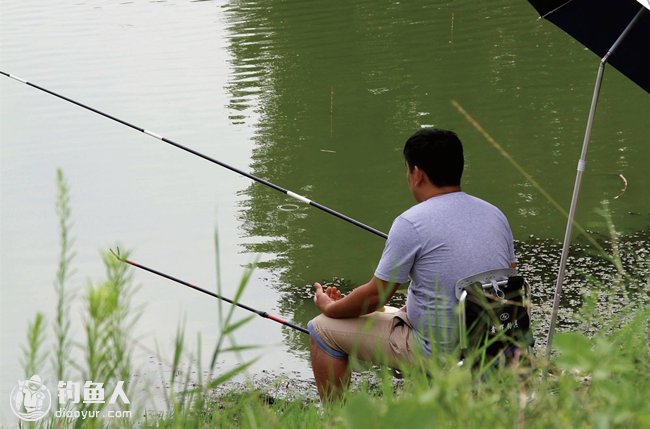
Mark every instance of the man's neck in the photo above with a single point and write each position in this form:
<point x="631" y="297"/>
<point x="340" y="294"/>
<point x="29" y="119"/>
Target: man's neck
<point x="435" y="191"/>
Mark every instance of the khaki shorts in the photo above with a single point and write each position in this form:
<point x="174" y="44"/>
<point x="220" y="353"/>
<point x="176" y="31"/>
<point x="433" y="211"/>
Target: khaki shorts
<point x="382" y="338"/>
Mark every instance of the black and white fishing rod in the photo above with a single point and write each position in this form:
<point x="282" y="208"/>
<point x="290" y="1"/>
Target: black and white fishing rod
<point x="260" y="313"/>
<point x="207" y="158"/>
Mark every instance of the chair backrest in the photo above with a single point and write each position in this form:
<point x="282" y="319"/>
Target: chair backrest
<point x="494" y="312"/>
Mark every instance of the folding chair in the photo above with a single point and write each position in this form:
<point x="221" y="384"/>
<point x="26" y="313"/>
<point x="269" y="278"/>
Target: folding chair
<point x="494" y="314"/>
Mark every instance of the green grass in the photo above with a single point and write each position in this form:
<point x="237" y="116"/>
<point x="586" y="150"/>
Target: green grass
<point x="598" y="382"/>
<point x="598" y="378"/>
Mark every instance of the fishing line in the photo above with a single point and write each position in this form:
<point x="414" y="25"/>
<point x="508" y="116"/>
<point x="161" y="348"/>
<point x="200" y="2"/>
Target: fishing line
<point x="260" y="313"/>
<point x="207" y="158"/>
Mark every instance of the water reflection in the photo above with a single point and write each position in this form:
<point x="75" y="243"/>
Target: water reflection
<point x="334" y="88"/>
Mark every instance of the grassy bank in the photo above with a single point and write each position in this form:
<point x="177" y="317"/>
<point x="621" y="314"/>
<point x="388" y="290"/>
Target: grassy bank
<point x="597" y="382"/>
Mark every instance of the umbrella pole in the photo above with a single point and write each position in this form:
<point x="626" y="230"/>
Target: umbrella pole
<point x="576" y="188"/>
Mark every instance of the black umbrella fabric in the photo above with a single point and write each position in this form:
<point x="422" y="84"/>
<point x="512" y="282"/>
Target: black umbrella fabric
<point x="598" y="23"/>
<point x="618" y="31"/>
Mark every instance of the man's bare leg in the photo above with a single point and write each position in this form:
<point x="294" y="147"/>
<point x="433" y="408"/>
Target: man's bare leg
<point x="331" y="374"/>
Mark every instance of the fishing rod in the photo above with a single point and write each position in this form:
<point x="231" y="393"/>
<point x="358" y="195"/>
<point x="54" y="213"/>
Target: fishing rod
<point x="260" y="313"/>
<point x="207" y="158"/>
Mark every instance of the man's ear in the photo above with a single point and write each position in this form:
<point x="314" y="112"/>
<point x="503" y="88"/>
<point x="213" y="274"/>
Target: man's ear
<point x="418" y="175"/>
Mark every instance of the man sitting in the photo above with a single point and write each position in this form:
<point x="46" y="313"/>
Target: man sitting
<point x="446" y="236"/>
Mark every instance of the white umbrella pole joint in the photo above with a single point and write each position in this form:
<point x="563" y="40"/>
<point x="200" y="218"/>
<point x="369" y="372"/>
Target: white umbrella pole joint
<point x="576" y="189"/>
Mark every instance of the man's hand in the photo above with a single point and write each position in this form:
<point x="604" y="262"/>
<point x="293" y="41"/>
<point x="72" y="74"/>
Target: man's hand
<point x="362" y="300"/>
<point x="324" y="299"/>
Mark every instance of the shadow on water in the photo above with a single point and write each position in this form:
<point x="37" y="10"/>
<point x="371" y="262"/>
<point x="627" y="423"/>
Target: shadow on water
<point x="333" y="90"/>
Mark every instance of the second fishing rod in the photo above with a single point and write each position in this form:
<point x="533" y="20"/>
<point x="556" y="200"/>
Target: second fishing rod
<point x="234" y="302"/>
<point x="207" y="158"/>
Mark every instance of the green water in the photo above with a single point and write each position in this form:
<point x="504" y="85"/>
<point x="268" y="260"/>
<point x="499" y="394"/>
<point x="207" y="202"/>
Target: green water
<point x="343" y="84"/>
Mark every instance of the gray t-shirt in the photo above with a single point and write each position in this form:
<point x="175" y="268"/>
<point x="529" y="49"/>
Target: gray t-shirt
<point x="436" y="243"/>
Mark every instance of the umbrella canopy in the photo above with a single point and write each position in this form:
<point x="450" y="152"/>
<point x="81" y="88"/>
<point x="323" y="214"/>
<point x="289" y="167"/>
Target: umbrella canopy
<point x="618" y="31"/>
<point x="598" y="23"/>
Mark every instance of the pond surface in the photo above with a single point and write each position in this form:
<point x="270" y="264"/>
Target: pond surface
<point x="317" y="98"/>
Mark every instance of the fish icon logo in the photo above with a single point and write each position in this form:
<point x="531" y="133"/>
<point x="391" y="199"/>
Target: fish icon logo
<point x="30" y="400"/>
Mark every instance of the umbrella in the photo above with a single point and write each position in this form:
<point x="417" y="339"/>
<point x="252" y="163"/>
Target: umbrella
<point x="597" y="24"/>
<point x="618" y="31"/>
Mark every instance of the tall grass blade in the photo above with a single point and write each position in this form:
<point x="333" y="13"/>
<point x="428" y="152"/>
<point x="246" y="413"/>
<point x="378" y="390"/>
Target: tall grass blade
<point x="64" y="297"/>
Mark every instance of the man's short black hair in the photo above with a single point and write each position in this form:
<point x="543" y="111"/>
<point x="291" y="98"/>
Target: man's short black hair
<point x="437" y="152"/>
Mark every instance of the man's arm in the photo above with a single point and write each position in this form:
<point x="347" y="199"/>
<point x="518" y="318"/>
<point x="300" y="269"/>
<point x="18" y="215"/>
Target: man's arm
<point x="362" y="300"/>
